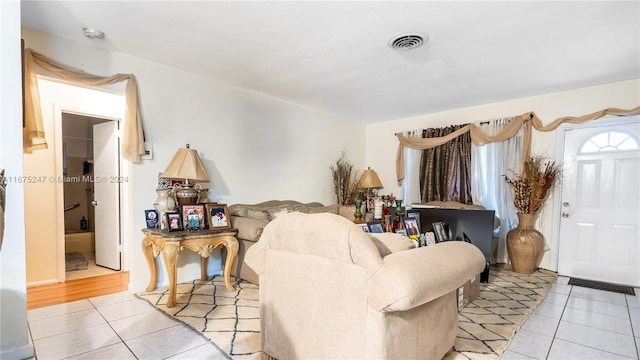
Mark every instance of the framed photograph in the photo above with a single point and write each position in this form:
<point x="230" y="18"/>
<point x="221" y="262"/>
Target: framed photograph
<point x="441" y="231"/>
<point x="175" y="182"/>
<point x="370" y="203"/>
<point x="364" y="227"/>
<point x="411" y="226"/>
<point x="415" y="214"/>
<point x="218" y="216"/>
<point x="401" y="232"/>
<point x="151" y="217"/>
<point x="193" y="217"/>
<point x="174" y="221"/>
<point x="163" y="183"/>
<point x="375" y="227"/>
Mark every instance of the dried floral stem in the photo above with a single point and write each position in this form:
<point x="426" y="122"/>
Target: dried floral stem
<point x="344" y="184"/>
<point x="533" y="184"/>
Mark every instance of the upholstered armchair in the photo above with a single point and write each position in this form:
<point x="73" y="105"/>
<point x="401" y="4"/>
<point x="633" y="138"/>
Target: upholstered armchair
<point x="329" y="290"/>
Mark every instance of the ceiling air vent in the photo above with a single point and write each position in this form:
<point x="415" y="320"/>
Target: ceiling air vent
<point x="405" y="42"/>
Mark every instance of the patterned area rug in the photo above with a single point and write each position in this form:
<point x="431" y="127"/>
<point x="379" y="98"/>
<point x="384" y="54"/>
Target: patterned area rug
<point x="488" y="324"/>
<point x="231" y="319"/>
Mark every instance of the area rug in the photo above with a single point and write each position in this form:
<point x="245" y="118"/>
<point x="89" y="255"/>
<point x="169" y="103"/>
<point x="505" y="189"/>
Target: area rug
<point x="231" y="319"/>
<point x="75" y="261"/>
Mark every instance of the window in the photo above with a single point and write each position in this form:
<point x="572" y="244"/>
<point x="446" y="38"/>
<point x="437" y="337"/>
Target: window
<point x="609" y="141"/>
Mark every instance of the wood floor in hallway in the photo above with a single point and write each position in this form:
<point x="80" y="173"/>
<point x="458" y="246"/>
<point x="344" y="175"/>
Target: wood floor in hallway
<point x="73" y="290"/>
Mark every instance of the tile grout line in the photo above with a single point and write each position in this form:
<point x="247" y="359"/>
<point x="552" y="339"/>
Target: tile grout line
<point x="555" y="333"/>
<point x="112" y="329"/>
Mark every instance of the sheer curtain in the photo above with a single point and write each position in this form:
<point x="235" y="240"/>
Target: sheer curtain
<point x="411" y="181"/>
<point x="489" y="164"/>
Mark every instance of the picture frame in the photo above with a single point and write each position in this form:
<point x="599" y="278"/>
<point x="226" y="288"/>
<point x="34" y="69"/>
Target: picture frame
<point x="411" y="226"/>
<point x="375" y="227"/>
<point x="364" y="227"/>
<point x="415" y="214"/>
<point x="174" y="221"/>
<point x="370" y="203"/>
<point x="218" y="216"/>
<point x="151" y="217"/>
<point x="441" y="231"/>
<point x="193" y="217"/>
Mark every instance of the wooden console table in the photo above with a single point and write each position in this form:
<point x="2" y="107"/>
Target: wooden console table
<point x="172" y="243"/>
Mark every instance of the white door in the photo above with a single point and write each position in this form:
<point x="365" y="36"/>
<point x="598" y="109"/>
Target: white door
<point x="599" y="204"/>
<point x="106" y="202"/>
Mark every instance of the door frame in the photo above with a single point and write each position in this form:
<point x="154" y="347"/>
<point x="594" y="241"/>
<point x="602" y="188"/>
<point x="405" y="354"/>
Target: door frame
<point x="557" y="200"/>
<point x="125" y="188"/>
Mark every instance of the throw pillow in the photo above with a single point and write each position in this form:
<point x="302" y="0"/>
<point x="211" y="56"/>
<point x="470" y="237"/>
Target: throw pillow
<point x="333" y="209"/>
<point x="238" y="210"/>
<point x="278" y="210"/>
<point x="257" y="214"/>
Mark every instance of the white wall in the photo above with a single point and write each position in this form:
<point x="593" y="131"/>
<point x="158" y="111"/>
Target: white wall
<point x="254" y="147"/>
<point x="14" y="335"/>
<point x="382" y="144"/>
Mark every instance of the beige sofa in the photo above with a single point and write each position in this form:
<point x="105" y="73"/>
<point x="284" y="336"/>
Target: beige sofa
<point x="330" y="291"/>
<point x="250" y="219"/>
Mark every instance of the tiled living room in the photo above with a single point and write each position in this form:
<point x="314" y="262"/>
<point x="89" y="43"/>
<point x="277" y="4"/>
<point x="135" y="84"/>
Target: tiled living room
<point x="443" y="101"/>
<point x="570" y="323"/>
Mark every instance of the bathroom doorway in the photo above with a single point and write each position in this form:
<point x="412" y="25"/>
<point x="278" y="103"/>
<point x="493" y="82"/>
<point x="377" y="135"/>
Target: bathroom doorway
<point x="44" y="200"/>
<point x="91" y="196"/>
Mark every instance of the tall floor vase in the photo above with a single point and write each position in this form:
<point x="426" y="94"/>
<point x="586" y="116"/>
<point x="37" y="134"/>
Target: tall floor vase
<point x="525" y="245"/>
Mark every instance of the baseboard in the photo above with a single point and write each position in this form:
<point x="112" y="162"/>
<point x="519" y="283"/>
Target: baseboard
<point x="43" y="282"/>
<point x="23" y="352"/>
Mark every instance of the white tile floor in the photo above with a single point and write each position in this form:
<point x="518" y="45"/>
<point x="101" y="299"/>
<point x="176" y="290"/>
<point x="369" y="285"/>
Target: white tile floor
<point x="571" y="323"/>
<point x="579" y="323"/>
<point x="118" y="326"/>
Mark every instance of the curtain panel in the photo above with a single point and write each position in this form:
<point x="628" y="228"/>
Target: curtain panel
<point x="33" y="133"/>
<point x="411" y="182"/>
<point x="527" y="121"/>
<point x="490" y="162"/>
<point x="445" y="169"/>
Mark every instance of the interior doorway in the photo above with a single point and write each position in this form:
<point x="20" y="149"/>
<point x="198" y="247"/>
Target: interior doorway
<point x="599" y="205"/>
<point x="45" y="202"/>
<point x="91" y="166"/>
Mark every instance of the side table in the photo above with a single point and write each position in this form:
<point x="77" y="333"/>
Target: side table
<point x="171" y="244"/>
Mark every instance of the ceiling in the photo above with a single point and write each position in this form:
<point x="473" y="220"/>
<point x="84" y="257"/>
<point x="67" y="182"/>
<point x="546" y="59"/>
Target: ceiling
<point x="334" y="56"/>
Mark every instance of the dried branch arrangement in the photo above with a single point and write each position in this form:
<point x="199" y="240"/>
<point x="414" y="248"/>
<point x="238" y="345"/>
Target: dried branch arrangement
<point x="344" y="181"/>
<point x="532" y="186"/>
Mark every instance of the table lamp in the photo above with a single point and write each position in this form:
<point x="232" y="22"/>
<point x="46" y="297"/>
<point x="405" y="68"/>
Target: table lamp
<point x="186" y="165"/>
<point x="368" y="180"/>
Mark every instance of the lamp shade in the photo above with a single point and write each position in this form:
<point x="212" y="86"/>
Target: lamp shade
<point x="186" y="164"/>
<point x="369" y="180"/>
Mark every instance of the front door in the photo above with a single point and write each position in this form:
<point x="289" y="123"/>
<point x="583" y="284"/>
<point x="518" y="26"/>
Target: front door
<point x="106" y="194"/>
<point x="599" y="204"/>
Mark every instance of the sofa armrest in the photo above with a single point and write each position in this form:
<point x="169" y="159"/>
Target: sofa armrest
<point x="389" y="243"/>
<point x="248" y="228"/>
<point x="408" y="279"/>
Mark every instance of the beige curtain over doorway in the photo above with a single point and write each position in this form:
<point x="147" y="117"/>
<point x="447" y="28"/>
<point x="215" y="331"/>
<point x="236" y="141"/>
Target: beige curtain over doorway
<point x="33" y="132"/>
